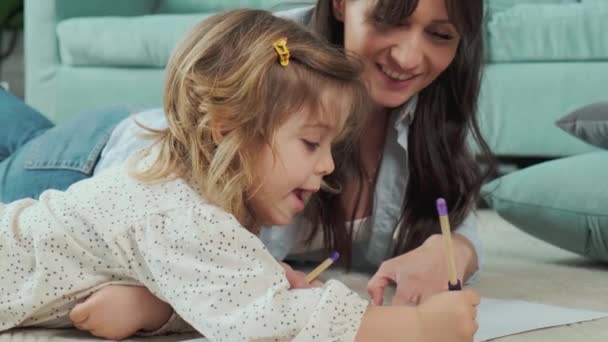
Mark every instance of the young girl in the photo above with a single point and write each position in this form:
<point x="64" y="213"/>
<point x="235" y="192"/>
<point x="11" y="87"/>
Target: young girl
<point x="248" y="142"/>
<point x="423" y="60"/>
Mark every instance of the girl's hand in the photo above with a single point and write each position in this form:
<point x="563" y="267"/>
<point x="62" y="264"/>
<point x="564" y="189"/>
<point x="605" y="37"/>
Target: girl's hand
<point x="297" y="279"/>
<point x="116" y="312"/>
<point x="454" y="312"/>
<point x="422" y="272"/>
<point x="448" y="316"/>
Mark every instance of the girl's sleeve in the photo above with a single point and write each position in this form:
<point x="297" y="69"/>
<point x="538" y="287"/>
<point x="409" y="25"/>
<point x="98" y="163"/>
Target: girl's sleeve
<point x="469" y="229"/>
<point x="221" y="280"/>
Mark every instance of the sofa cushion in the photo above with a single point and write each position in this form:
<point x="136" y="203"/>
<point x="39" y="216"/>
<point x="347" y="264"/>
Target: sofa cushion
<point x="589" y="124"/>
<point x="140" y="41"/>
<point x="548" y="32"/>
<point x="563" y="202"/>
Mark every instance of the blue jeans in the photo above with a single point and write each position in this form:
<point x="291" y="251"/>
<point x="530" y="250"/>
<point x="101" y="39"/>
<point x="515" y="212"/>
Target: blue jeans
<point x="35" y="155"/>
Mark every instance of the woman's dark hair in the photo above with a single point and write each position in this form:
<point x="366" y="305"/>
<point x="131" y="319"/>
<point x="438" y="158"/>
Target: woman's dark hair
<point x="441" y="163"/>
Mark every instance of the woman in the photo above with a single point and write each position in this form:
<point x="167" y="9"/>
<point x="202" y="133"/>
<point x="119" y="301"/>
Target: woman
<point x="423" y="68"/>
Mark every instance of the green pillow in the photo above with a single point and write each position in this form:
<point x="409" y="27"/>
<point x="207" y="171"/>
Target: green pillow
<point x="590" y="124"/>
<point x="563" y="202"/>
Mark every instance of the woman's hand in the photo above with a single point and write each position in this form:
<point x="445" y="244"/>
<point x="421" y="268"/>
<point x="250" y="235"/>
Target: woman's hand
<point x="423" y="271"/>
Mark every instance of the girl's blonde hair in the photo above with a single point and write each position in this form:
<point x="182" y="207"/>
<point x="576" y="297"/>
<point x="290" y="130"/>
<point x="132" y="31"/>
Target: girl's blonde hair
<point x="225" y="77"/>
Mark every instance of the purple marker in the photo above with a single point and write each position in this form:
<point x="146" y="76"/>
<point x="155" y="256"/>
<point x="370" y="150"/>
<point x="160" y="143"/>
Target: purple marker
<point x="442" y="208"/>
<point x="323" y="266"/>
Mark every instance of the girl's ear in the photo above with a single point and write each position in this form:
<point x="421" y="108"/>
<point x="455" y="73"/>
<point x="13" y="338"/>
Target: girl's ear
<point x="338" y="9"/>
<point x="217" y="133"/>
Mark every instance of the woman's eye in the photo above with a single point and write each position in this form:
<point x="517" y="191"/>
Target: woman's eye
<point x="442" y="36"/>
<point x="311" y="145"/>
<point x="380" y="24"/>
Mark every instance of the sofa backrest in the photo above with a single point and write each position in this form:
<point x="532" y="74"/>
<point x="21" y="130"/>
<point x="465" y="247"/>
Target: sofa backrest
<point x="208" y="6"/>
<point x="64" y="9"/>
<point x="494" y="6"/>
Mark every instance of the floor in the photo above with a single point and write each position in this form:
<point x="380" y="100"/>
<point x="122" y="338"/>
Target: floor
<point x="517" y="266"/>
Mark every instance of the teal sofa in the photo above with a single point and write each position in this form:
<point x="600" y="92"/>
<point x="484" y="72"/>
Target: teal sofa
<point x="87" y="54"/>
<point x="545" y="58"/>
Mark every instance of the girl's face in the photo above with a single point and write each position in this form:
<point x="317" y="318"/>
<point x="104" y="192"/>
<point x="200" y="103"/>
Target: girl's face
<point x="401" y="60"/>
<point x="290" y="175"/>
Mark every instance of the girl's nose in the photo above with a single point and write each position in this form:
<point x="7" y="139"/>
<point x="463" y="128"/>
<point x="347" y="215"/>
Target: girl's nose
<point x="326" y="165"/>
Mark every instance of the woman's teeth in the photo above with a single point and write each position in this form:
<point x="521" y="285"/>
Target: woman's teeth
<point x="394" y="75"/>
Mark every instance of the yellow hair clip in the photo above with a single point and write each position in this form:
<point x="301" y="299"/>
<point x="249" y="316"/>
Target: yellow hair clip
<point x="280" y="45"/>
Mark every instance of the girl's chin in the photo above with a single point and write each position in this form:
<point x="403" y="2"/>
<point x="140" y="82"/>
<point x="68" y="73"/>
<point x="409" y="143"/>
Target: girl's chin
<point x="285" y="222"/>
<point x="279" y="220"/>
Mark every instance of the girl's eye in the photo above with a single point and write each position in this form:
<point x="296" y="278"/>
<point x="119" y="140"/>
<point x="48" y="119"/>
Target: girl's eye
<point x="311" y="145"/>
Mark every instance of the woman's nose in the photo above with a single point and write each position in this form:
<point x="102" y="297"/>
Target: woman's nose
<point x="408" y="52"/>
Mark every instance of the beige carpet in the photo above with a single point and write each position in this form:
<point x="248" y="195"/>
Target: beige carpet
<point x="517" y="267"/>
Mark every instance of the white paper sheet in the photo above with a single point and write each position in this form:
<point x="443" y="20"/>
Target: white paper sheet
<point x="498" y="318"/>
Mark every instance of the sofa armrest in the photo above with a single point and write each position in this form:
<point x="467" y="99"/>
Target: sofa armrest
<point x="41" y="54"/>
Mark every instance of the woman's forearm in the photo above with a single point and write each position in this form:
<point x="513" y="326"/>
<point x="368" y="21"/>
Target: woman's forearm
<point x="466" y="255"/>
